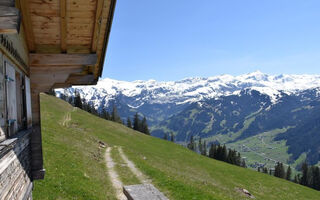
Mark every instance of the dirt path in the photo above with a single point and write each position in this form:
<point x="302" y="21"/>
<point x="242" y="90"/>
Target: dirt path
<point x="114" y="177"/>
<point x="143" y="178"/>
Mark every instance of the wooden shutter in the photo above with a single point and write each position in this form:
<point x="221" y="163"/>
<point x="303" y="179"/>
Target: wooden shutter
<point x="11" y="99"/>
<point x="2" y="101"/>
<point x="19" y="99"/>
<point x="28" y="102"/>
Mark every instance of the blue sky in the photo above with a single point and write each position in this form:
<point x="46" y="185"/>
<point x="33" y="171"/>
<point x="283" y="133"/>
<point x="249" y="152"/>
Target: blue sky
<point x="173" y="39"/>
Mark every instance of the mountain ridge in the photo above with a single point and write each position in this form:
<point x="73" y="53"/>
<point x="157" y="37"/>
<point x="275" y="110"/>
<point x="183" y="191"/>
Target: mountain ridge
<point x="190" y="90"/>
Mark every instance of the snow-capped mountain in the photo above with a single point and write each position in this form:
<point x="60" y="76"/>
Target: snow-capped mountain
<point x="190" y="90"/>
<point x="225" y="109"/>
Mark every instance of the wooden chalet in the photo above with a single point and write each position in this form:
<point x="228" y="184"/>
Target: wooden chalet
<point x="44" y="44"/>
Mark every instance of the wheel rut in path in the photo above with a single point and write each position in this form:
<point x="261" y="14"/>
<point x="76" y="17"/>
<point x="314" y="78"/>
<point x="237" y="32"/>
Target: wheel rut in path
<point x="114" y="177"/>
<point x="142" y="178"/>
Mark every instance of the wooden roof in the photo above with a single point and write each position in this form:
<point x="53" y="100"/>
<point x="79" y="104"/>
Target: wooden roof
<point x="68" y="27"/>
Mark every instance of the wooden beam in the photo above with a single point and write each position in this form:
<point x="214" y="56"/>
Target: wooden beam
<point x="27" y="24"/>
<point x="9" y="20"/>
<point x="106" y="38"/>
<point x="97" y="25"/>
<point x="62" y="59"/>
<point x="61" y="85"/>
<point x="10" y="3"/>
<point x="63" y="26"/>
<point x="76" y="79"/>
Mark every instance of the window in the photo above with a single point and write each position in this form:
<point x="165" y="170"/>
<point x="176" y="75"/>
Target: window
<point x="15" y="100"/>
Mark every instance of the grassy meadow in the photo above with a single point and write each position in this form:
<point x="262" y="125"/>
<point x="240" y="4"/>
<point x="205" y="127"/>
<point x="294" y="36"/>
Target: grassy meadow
<point x="75" y="167"/>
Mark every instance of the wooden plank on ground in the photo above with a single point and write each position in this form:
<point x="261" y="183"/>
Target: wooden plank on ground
<point x="142" y="192"/>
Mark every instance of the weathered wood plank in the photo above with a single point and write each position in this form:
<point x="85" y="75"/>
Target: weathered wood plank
<point x="62" y="59"/>
<point x="63" y="25"/>
<point x="142" y="192"/>
<point x="96" y="29"/>
<point x="61" y="85"/>
<point x="106" y="24"/>
<point x="8" y="11"/>
<point x="27" y="24"/>
<point x="9" y="20"/>
<point x="81" y="79"/>
<point x="10" y="3"/>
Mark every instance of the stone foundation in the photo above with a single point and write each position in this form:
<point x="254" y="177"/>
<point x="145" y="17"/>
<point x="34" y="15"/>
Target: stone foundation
<point x="15" y="167"/>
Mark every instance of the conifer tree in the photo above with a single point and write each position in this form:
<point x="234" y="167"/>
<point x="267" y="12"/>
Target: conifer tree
<point x="77" y="99"/>
<point x="265" y="170"/>
<point x="200" y="146"/>
<point x="315" y="183"/>
<point x="212" y="151"/>
<point x="144" y="126"/>
<point x="136" y="122"/>
<point x="224" y="153"/>
<point x="282" y="171"/>
<point x="172" y="137"/>
<point x="165" y="136"/>
<point x="231" y="157"/>
<point x="244" y="165"/>
<point x="288" y="175"/>
<point x="237" y="158"/>
<point x="70" y="100"/>
<point x="108" y="117"/>
<point x="191" y="144"/>
<point x="129" y="124"/>
<point x="219" y="153"/>
<point x="114" y="115"/>
<point x="305" y="174"/>
<point x="87" y="106"/>
<point x="279" y="170"/>
<point x="296" y="179"/>
<point x="104" y="114"/>
<point x="204" y="148"/>
<point x="93" y="110"/>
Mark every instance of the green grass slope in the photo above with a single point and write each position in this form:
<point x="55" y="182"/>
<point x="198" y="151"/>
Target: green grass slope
<point x="76" y="170"/>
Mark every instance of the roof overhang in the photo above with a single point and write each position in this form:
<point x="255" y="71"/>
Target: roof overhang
<point x="69" y="32"/>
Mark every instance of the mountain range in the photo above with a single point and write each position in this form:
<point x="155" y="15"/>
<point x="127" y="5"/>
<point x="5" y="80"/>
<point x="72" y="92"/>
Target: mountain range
<point x="268" y="118"/>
